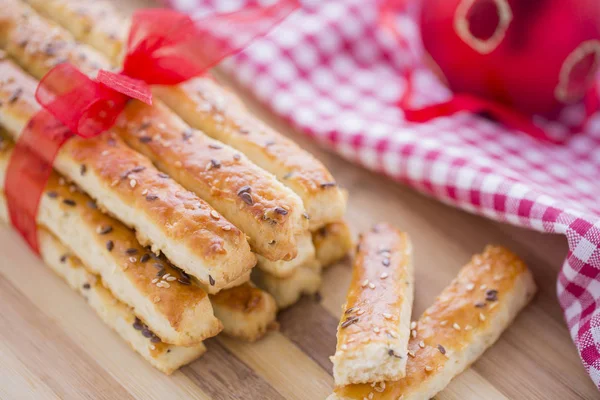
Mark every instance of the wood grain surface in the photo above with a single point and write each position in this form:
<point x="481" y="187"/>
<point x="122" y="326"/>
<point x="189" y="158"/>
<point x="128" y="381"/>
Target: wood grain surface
<point x="53" y="346"/>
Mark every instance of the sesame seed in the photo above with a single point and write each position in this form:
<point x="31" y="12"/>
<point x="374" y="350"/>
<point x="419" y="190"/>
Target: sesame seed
<point x="156" y="299"/>
<point x="372" y="285"/>
<point x="376" y="329"/>
<point x="422" y="344"/>
<point x="392" y="334"/>
<point x="386" y="262"/>
<point x="281" y="211"/>
<point x="351" y="309"/>
<point x="411" y="353"/>
<point x="344" y="347"/>
<point x="214" y="214"/>
<point x="154" y="280"/>
<point x="132" y="183"/>
<point x="227" y="228"/>
<point x="387" y="315"/>
<point x="456" y="326"/>
<point x="491" y="295"/>
<point x="171" y="279"/>
<point x="468" y="327"/>
<point x="328" y="185"/>
<point x="383" y="275"/>
<point x="413" y="325"/>
<point x="365" y="283"/>
<point x="360" y="312"/>
<point x="348" y="322"/>
<point x="69" y="202"/>
<point x="83" y="169"/>
<point x="413" y="333"/>
<point x="442" y="349"/>
<point x="428" y="368"/>
<point x="470" y="286"/>
<point x="104" y="229"/>
<point x="483" y="287"/>
<point x="444" y="323"/>
<point x="86" y="286"/>
<point x="481" y="317"/>
<point x="52" y="195"/>
<point x="211" y="280"/>
<point x="110" y="245"/>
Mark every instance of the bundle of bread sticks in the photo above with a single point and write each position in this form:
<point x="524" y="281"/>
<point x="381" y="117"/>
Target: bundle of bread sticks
<point x="188" y="217"/>
<point x="381" y="354"/>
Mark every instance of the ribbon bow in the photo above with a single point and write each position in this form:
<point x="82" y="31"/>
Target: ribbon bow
<point x="163" y="48"/>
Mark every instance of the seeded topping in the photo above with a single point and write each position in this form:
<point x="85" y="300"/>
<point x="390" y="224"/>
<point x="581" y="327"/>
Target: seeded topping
<point x="86" y="286"/>
<point x="69" y="202"/>
<point x="151" y="197"/>
<point x="131" y="251"/>
<point x="211" y="280"/>
<point x="305" y="215"/>
<point x="63" y="258"/>
<point x="52" y="195"/>
<point x="15" y="95"/>
<point x="138" y="325"/>
<point x="441" y="349"/>
<point x="215" y="163"/>
<point x="349" y="321"/>
<point x="246" y="196"/>
<point x="386" y="262"/>
<point x="214" y="214"/>
<point x="145" y="125"/>
<point x="391" y="353"/>
<point x="351" y="309"/>
<point x="215" y="146"/>
<point x="92" y="204"/>
<point x="237" y="156"/>
<point x="269" y="143"/>
<point x="83" y="169"/>
<point x="103" y="230"/>
<point x="491" y="295"/>
<point x="288" y="175"/>
<point x="145" y="139"/>
<point x="184" y="278"/>
<point x="165" y="176"/>
<point x="480" y="304"/>
<point x="187" y="134"/>
<point x="110" y="245"/>
<point x="144" y="258"/>
<point x="328" y="185"/>
<point x="281" y="211"/>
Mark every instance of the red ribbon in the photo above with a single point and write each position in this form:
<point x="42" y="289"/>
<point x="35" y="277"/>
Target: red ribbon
<point x="163" y="48"/>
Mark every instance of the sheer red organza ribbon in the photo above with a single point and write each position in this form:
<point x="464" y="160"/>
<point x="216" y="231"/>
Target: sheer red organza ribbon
<point x="464" y="101"/>
<point x="164" y="47"/>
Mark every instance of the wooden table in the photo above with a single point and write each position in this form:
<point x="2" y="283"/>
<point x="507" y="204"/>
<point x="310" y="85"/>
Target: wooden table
<point x="53" y="346"/>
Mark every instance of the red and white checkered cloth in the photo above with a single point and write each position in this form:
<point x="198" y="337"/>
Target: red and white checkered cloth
<point x="334" y="74"/>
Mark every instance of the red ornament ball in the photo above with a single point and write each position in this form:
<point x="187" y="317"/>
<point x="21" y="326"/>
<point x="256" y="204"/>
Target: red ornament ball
<point x="533" y="55"/>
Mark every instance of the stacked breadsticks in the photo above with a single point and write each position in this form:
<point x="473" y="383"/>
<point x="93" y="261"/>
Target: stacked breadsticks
<point x="160" y="220"/>
<point x="380" y="354"/>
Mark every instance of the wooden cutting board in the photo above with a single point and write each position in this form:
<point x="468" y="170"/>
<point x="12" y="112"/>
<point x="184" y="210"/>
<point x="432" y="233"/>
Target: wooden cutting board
<point x="53" y="346"/>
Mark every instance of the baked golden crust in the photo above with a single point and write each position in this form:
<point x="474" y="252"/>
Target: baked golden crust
<point x="175" y="308"/>
<point x="373" y="333"/>
<point x="117" y="315"/>
<point x="246" y="311"/>
<point x="205" y="105"/>
<point x="96" y="22"/>
<point x="269" y="213"/>
<point x="332" y="242"/>
<point x="164" y="214"/>
<point x="466" y="318"/>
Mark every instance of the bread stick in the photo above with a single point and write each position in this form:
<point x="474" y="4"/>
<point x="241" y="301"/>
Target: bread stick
<point x="118" y="316"/>
<point x="245" y="311"/>
<point x="178" y="312"/>
<point x="305" y="280"/>
<point x="373" y="333"/>
<point x="207" y="106"/>
<point x="332" y="242"/>
<point x="465" y="319"/>
<point x="284" y="269"/>
<point x="270" y="214"/>
<point x="193" y="235"/>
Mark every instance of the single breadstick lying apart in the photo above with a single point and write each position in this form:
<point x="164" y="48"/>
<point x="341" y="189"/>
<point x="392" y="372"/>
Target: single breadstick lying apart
<point x="374" y="330"/>
<point x="466" y="319"/>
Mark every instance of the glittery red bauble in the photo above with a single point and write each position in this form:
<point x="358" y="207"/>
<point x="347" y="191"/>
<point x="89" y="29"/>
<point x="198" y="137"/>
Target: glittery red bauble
<point x="532" y="55"/>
